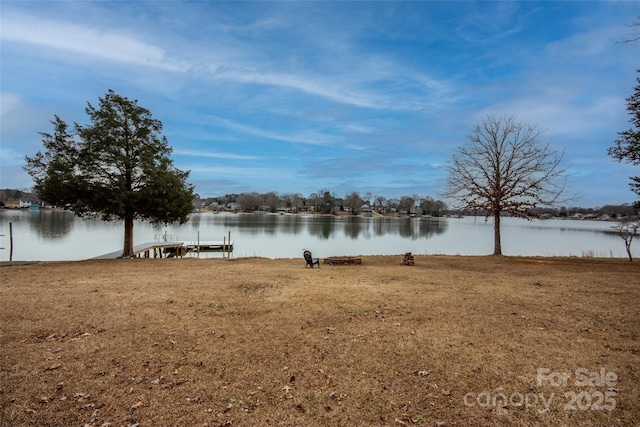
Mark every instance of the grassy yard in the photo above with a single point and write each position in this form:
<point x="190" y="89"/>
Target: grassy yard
<point x="451" y="341"/>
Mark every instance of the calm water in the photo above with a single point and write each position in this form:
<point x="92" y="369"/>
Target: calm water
<point x="57" y="235"/>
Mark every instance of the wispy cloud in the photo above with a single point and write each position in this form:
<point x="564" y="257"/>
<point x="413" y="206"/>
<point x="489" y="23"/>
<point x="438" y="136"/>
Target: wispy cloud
<point x="315" y="85"/>
<point x="585" y="46"/>
<point x="215" y="155"/>
<point x="357" y="84"/>
<point x="309" y="137"/>
<point x="254" y="173"/>
<point x="489" y="22"/>
<point x="104" y="43"/>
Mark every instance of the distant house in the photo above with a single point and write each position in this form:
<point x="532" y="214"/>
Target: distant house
<point x="233" y="206"/>
<point x="16" y="204"/>
<point x="264" y="209"/>
<point x="305" y="209"/>
<point x="366" y="209"/>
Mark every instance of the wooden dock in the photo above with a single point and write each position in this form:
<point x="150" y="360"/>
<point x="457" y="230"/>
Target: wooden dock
<point x="210" y="246"/>
<point x="172" y="249"/>
<point x="144" y="250"/>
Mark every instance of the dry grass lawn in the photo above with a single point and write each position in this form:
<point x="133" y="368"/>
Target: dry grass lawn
<point x="451" y="341"/>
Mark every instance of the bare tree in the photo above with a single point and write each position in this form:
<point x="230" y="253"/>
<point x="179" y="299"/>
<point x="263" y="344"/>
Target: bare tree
<point x="427" y="204"/>
<point x="406" y="204"/>
<point x="503" y="168"/>
<point x="354" y="202"/>
<point x="635" y="32"/>
<point x="627" y="228"/>
<point x="432" y="207"/>
<point x="272" y="200"/>
<point x="249" y="201"/>
<point x="298" y="200"/>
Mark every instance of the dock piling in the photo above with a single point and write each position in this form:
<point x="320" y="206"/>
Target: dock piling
<point x="10" y="241"/>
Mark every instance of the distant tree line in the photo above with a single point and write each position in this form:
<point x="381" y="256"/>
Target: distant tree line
<point x="625" y="210"/>
<point x="327" y="202"/>
<point x="324" y="202"/>
<point x="15" y="194"/>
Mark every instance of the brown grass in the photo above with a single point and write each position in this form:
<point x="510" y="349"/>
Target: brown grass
<point x="251" y="342"/>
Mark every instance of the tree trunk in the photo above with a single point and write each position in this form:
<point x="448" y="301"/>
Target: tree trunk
<point x="127" y="251"/>
<point x="627" y="244"/>
<point x="497" y="246"/>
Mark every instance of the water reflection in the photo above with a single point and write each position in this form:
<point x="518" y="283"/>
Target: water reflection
<point x="53" y="235"/>
<point x="252" y="223"/>
<point x="296" y="225"/>
<point x="47" y="225"/>
<point x="353" y="228"/>
<point x="364" y="228"/>
<point x="194" y="222"/>
<point x="57" y="224"/>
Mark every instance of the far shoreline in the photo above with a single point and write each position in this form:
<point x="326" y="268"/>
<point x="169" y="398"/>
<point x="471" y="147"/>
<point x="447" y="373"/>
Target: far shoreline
<point x="365" y="258"/>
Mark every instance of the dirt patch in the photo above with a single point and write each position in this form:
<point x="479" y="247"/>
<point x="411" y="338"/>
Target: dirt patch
<point x="269" y="342"/>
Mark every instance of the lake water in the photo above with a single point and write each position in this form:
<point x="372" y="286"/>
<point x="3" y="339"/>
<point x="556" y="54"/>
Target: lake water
<point x="57" y="235"/>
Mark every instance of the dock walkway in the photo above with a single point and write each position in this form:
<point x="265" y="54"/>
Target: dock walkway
<point x="143" y="250"/>
<point x="172" y="249"/>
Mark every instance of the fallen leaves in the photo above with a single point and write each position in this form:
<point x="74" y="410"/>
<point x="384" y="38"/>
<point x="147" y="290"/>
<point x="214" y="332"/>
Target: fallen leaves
<point x="253" y="364"/>
<point x="81" y="397"/>
<point x="137" y="406"/>
<point x="53" y="367"/>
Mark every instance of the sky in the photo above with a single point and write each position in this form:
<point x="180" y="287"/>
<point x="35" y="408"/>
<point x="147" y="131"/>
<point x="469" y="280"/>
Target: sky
<point x="343" y="96"/>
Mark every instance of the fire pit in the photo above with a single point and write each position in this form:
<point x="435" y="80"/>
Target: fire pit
<point x="342" y="260"/>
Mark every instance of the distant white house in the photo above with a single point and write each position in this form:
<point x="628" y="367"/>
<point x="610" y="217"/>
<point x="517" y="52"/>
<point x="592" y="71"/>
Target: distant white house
<point x="17" y="204"/>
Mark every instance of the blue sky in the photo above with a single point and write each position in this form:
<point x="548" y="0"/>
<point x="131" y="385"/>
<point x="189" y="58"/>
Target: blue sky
<point x="297" y="97"/>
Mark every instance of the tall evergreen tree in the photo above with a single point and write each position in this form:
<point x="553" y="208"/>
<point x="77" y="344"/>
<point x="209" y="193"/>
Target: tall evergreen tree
<point x="117" y="167"/>
<point x="627" y="147"/>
